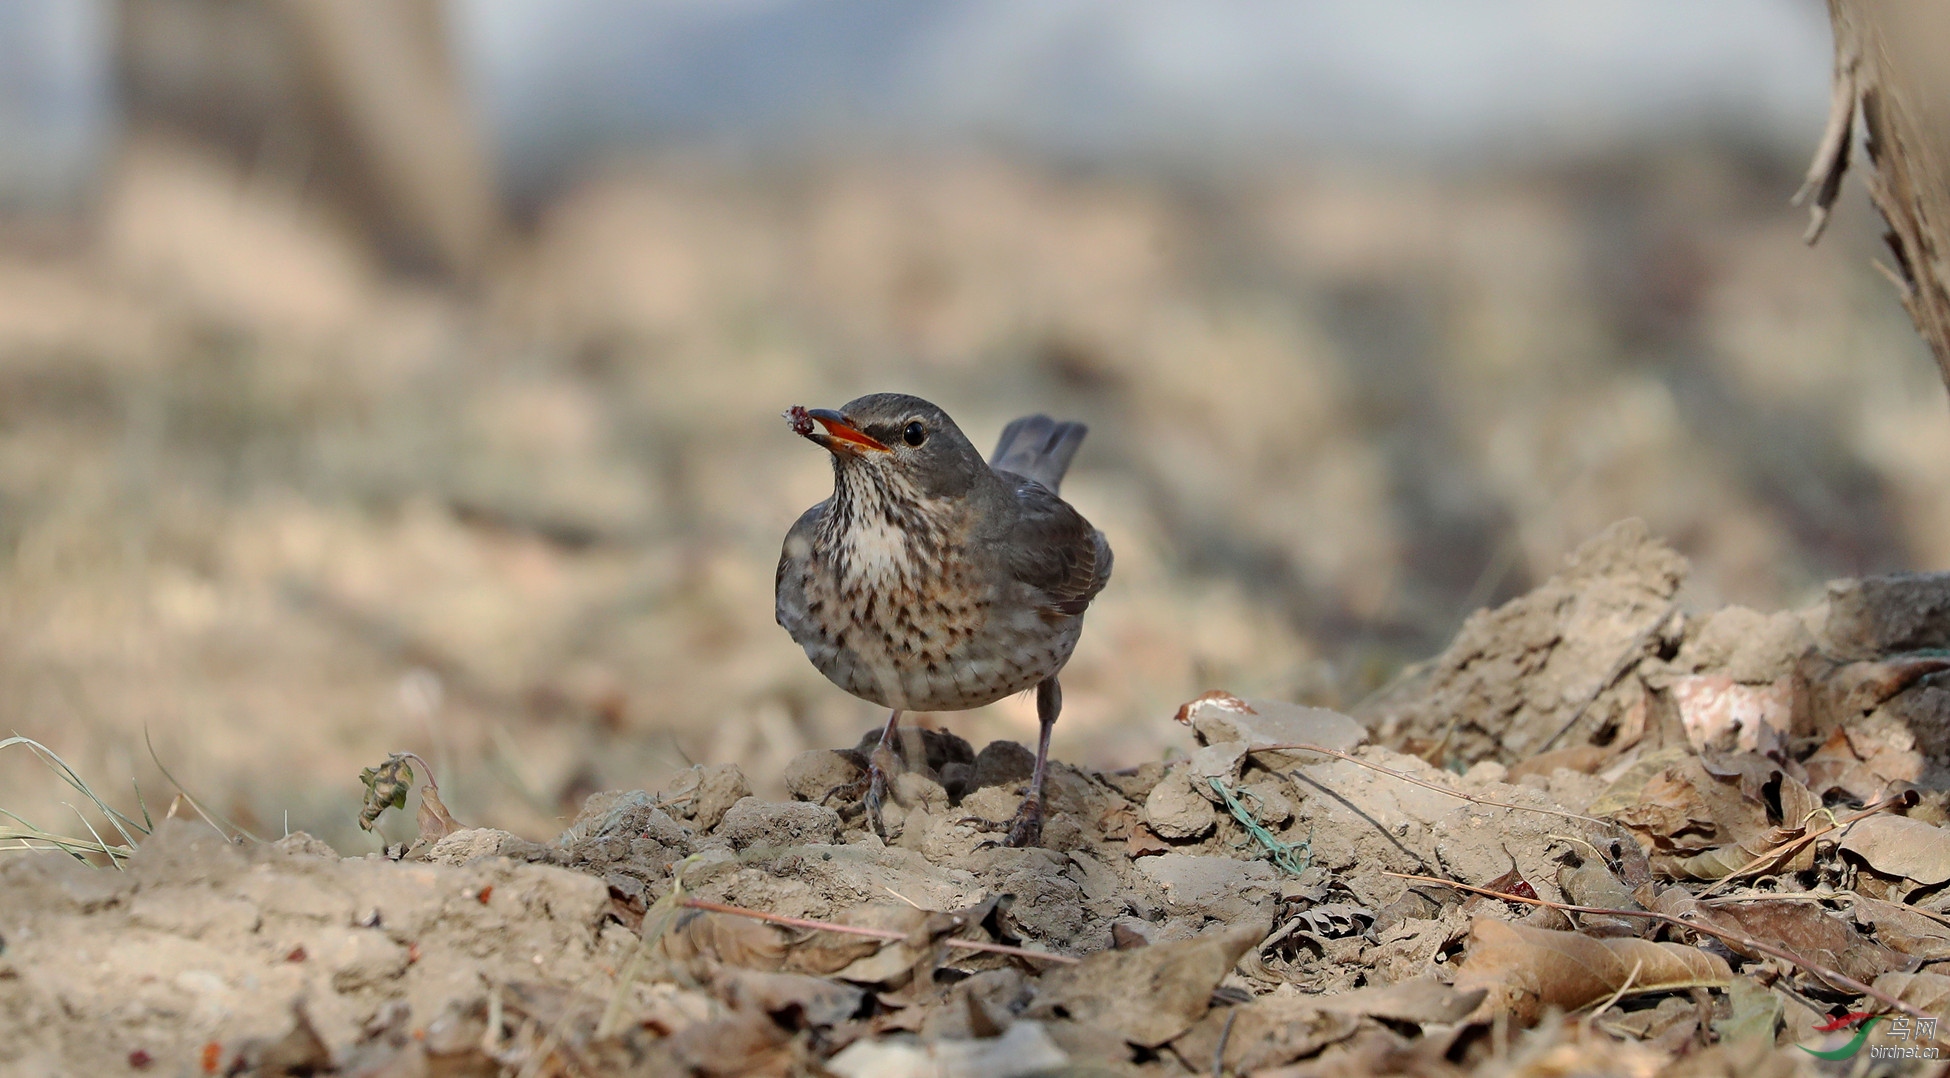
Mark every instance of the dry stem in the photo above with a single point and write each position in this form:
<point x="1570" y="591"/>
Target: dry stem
<point x="1405" y="777"/>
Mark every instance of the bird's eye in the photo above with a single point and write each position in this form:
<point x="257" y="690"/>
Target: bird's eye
<point x="915" y="434"/>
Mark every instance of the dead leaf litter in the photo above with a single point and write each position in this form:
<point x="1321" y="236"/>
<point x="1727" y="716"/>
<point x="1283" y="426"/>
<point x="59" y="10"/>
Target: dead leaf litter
<point x="1598" y="833"/>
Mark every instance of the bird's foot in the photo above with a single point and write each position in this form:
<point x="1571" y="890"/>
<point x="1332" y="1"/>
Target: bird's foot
<point x="868" y="791"/>
<point x="876" y="797"/>
<point x="1021" y="831"/>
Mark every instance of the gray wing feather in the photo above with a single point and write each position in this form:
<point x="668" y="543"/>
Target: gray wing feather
<point x="1038" y="447"/>
<point x="1055" y="550"/>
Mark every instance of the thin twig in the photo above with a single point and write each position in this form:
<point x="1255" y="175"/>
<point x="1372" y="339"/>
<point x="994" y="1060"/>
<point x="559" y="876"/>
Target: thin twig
<point x="191" y="798"/>
<point x="876" y="933"/>
<point x="1219" y="1053"/>
<point x="1303" y="746"/>
<point x="1838" y="979"/>
<point x="1793" y="846"/>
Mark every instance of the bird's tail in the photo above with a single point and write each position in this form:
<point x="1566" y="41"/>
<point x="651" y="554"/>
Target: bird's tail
<point x="1038" y="447"/>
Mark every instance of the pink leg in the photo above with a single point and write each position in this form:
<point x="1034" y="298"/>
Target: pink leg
<point x="878" y="767"/>
<point x="1027" y="827"/>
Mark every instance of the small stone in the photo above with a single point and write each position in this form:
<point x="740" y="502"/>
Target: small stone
<point x="957" y="778"/>
<point x="1267" y="801"/>
<point x="471" y="843"/>
<point x="718" y="789"/>
<point x="1273" y="722"/>
<point x="1176" y="810"/>
<point x="1220" y="761"/>
<point x="1003" y="763"/>
<point x="1222" y="887"/>
<point x="752" y="822"/>
<point x="627" y="815"/>
<point x="817" y="772"/>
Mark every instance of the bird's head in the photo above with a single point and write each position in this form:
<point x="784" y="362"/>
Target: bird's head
<point x="883" y="435"/>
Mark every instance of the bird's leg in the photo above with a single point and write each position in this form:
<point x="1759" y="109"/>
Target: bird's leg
<point x="1027" y="827"/>
<point x="879" y="765"/>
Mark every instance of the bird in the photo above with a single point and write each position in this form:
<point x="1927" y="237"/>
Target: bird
<point x="935" y="580"/>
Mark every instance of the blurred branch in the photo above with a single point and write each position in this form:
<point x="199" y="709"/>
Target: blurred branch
<point x="1892" y="66"/>
<point x="360" y="98"/>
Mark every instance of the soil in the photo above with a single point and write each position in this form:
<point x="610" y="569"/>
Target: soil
<point x="1242" y="907"/>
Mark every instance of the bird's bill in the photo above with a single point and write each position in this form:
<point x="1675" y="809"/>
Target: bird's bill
<point x="840" y="436"/>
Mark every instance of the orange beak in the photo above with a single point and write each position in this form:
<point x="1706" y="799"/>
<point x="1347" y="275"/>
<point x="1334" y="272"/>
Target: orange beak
<point x="839" y="435"/>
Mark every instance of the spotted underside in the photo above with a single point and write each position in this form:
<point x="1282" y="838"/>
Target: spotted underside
<point x="893" y="602"/>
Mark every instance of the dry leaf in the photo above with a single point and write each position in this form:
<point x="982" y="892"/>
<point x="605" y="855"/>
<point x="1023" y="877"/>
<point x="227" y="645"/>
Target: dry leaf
<point x="1150" y="995"/>
<point x="830" y="952"/>
<point x="793" y="1000"/>
<point x="1423" y="1000"/>
<point x="1528" y="969"/>
<point x="1808" y="931"/>
<point x="1927" y="992"/>
<point x="435" y="821"/>
<point x="1265" y="1033"/>
<point x="727" y="939"/>
<point x="1904" y="928"/>
<point x="1900" y="846"/>
<point x="1863" y="760"/>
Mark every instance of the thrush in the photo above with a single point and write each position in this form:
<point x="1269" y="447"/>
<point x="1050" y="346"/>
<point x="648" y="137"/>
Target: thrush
<point x="933" y="580"/>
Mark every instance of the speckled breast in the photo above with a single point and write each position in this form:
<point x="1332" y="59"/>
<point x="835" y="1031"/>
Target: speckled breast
<point x="939" y="634"/>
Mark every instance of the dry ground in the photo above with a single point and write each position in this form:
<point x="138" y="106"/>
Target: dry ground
<point x="287" y="515"/>
<point x="1744" y="812"/>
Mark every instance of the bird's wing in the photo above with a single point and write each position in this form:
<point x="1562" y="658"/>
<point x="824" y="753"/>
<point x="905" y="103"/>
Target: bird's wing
<point x="1053" y="549"/>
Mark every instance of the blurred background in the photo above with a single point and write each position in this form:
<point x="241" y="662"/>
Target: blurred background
<point x="406" y="375"/>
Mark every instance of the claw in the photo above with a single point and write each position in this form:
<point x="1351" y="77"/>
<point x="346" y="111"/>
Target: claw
<point x="1024" y="829"/>
<point x="875" y="798"/>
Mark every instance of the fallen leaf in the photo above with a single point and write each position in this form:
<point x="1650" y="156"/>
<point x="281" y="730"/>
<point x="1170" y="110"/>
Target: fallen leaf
<point x="1904" y="928"/>
<point x="1808" y="931"/>
<point x="1423" y="1000"/>
<point x="1525" y="970"/>
<point x="1927" y="992"/>
<point x="435" y="821"/>
<point x="1265" y="1033"/>
<point x="1149" y="995"/>
<point x="1754" y="1012"/>
<point x="1900" y="846"/>
<point x="793" y="1000"/>
<point x="727" y="939"/>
